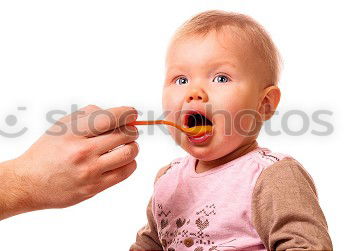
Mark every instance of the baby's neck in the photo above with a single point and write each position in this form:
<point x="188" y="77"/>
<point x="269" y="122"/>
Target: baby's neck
<point x="202" y="166"/>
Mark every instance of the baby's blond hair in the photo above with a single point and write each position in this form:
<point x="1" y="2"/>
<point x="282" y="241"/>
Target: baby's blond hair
<point x="253" y="33"/>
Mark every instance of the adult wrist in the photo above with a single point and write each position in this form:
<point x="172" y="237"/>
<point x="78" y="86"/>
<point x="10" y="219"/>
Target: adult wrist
<point x="15" y="190"/>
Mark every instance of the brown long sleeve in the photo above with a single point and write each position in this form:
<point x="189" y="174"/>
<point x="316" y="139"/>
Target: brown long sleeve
<point x="285" y="209"/>
<point x="147" y="236"/>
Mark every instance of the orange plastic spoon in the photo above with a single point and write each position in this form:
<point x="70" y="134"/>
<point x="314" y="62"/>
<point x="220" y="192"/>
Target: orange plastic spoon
<point x="193" y="131"/>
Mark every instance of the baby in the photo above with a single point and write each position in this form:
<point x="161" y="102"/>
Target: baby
<point x="228" y="193"/>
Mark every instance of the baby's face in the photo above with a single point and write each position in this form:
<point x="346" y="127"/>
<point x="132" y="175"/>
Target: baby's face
<point x="216" y="76"/>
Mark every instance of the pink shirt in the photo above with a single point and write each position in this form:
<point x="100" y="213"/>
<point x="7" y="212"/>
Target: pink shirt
<point x="209" y="210"/>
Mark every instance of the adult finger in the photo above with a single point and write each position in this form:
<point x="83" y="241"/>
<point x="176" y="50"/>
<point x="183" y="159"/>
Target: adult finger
<point x="117" y="175"/>
<point x="118" y="157"/>
<point x="112" y="139"/>
<point x="102" y="121"/>
<point x="69" y="121"/>
<point x="80" y="113"/>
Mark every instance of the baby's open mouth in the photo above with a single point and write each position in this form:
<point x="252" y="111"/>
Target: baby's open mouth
<point x="193" y="119"/>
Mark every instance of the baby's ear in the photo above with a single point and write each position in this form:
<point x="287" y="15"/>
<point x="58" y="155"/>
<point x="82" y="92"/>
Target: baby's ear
<point x="270" y="97"/>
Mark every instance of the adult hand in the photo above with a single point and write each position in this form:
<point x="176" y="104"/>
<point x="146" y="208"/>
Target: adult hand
<point x="79" y="156"/>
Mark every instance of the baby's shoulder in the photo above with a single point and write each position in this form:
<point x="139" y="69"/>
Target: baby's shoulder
<point x="173" y="164"/>
<point x="266" y="158"/>
<point x="161" y="172"/>
<point x="281" y="167"/>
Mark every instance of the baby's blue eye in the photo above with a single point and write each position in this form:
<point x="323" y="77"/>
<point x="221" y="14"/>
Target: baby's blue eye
<point x="181" y="81"/>
<point x="221" y="79"/>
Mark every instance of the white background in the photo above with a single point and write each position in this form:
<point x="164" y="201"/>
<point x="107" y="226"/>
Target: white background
<point x="57" y="53"/>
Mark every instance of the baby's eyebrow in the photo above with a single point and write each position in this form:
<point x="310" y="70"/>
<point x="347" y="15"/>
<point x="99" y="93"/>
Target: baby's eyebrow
<point x="176" y="67"/>
<point x="210" y="65"/>
<point x="218" y="64"/>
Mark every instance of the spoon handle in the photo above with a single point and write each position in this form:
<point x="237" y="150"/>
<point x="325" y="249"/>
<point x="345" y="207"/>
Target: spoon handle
<point x="156" y="122"/>
<point x="194" y="131"/>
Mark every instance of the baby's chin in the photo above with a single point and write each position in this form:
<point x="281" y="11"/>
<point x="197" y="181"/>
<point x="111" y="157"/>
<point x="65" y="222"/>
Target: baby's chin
<point x="202" y="156"/>
<point x="215" y="149"/>
<point x="202" y="152"/>
<point x="205" y="152"/>
<point x="211" y="150"/>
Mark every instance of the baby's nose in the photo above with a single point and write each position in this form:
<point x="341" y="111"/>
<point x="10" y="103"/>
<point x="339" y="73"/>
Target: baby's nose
<point x="196" y="94"/>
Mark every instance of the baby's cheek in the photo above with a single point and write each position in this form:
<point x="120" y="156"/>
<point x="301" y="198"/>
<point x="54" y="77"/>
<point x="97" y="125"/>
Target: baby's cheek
<point x="242" y="123"/>
<point x="245" y="122"/>
<point x="172" y="99"/>
<point x="235" y="118"/>
<point x="173" y="115"/>
<point x="230" y="128"/>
